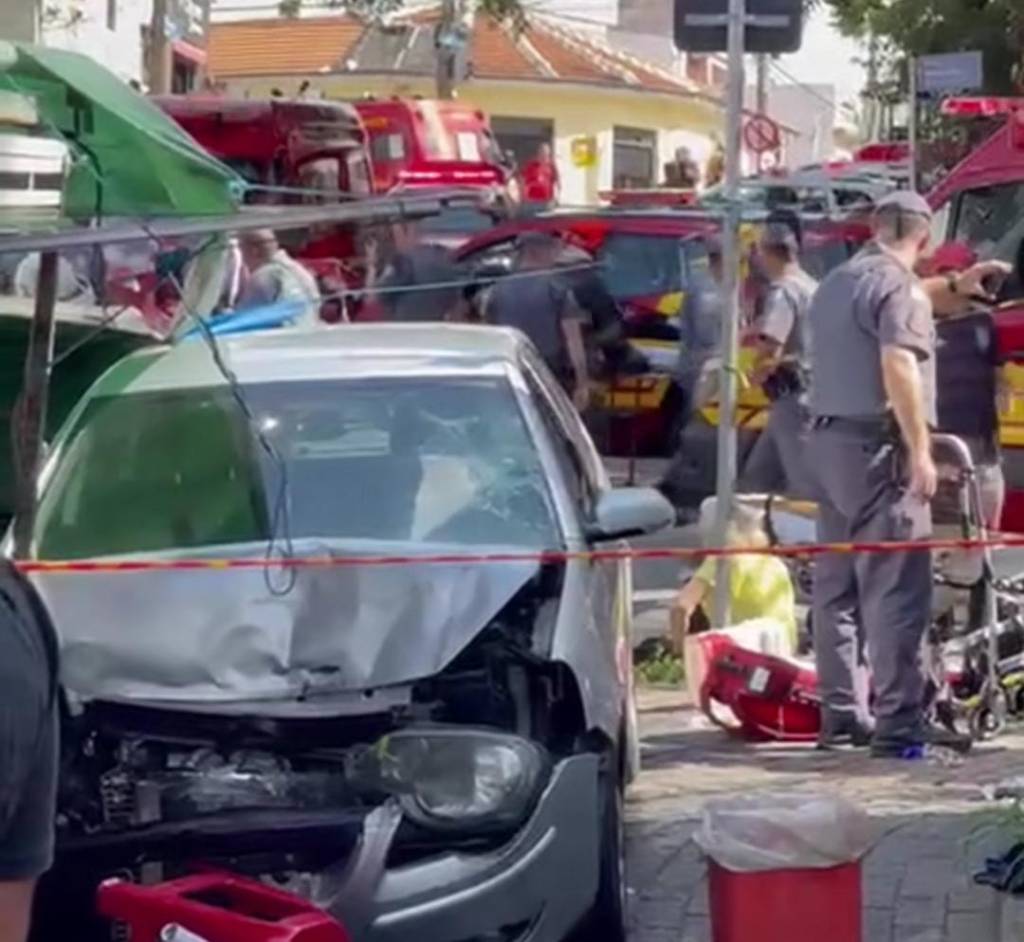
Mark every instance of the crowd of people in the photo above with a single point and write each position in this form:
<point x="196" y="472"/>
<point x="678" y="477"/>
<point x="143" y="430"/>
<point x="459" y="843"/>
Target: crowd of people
<point x="850" y="369"/>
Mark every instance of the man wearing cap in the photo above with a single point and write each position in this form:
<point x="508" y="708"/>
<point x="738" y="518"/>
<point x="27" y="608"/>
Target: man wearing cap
<point x="535" y="299"/>
<point x="872" y="402"/>
<point x="777" y="462"/>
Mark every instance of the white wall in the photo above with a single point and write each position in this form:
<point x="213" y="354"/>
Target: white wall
<point x="659" y="50"/>
<point x="82" y="27"/>
<point x="811" y="110"/>
<point x="19" y="20"/>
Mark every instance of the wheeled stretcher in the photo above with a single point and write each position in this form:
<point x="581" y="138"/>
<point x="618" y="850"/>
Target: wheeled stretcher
<point x="973" y="649"/>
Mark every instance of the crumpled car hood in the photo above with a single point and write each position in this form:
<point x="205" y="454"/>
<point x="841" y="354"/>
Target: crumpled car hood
<point x="220" y="636"/>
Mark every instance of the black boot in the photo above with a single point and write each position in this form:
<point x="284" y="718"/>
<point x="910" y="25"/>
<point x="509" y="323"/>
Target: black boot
<point x="916" y="745"/>
<point x="842" y="730"/>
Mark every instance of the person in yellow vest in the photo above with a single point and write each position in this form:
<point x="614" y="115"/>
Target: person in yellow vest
<point x="762" y="603"/>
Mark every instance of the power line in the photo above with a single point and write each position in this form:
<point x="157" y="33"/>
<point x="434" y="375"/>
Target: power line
<point x="810" y="89"/>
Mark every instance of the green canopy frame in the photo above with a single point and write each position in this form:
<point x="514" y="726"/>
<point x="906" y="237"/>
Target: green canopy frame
<point x="130" y="159"/>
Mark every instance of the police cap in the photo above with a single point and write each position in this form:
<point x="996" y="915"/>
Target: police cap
<point x="906" y="203"/>
<point x="780" y="235"/>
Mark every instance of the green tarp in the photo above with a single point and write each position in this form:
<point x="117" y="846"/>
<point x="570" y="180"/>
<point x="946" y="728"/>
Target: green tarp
<point x="130" y="158"/>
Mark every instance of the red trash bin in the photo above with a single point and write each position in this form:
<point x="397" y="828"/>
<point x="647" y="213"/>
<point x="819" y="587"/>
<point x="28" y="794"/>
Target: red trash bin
<point x="784" y="867"/>
<point x="785" y="905"/>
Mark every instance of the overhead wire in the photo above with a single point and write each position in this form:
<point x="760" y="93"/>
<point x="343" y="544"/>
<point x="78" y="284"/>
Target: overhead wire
<point x="280" y="522"/>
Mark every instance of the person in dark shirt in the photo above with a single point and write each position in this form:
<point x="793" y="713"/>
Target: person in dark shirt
<point x="421" y="282"/>
<point x="536" y="299"/>
<point x="682" y="172"/>
<point x="971" y="388"/>
<point x="28" y="749"/>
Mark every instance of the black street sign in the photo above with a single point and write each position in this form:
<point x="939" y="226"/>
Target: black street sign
<point x="772" y="26"/>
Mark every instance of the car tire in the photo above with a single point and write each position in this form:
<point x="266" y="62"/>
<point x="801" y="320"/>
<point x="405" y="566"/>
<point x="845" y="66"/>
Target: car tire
<point x="607" y="918"/>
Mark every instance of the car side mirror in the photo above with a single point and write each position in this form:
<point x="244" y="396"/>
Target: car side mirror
<point x="630" y="511"/>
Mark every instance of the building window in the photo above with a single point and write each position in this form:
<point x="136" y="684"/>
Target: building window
<point x="633" y="159"/>
<point x="112" y="15"/>
<point x="184" y="76"/>
<point x="521" y="137"/>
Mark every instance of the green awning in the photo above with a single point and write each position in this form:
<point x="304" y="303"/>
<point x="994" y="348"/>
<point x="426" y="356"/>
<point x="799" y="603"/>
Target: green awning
<point x="130" y="158"/>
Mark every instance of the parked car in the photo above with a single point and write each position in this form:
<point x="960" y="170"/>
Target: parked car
<point x="431" y="749"/>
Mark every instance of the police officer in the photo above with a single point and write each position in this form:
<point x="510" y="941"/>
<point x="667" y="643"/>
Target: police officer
<point x="873" y="403"/>
<point x="776" y="463"/>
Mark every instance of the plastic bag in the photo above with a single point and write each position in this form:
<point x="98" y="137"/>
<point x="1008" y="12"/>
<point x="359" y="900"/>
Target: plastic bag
<point x="783" y="831"/>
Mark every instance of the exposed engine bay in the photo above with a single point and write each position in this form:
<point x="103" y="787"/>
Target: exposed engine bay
<point x="451" y="762"/>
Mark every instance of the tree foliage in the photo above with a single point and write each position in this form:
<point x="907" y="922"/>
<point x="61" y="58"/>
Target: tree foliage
<point x="920" y="27"/>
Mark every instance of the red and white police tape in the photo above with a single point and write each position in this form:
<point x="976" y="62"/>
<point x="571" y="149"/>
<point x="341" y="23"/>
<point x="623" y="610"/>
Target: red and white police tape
<point x="540" y="557"/>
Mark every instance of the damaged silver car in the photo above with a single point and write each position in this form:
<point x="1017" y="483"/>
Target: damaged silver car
<point x="412" y="703"/>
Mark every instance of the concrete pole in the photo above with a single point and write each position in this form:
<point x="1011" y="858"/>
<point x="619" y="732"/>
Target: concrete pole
<point x="912" y="120"/>
<point x="762" y="83"/>
<point x="204" y="72"/>
<point x="446" y="50"/>
<point x="160" y="60"/>
<point x="726" y="485"/>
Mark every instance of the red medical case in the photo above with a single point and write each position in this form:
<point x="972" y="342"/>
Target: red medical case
<point x="218" y="907"/>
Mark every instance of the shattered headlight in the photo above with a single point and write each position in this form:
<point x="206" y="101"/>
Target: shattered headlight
<point x="460" y="778"/>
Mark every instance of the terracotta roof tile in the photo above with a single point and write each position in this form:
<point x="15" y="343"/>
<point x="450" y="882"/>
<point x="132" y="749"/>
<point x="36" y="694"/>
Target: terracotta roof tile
<point x="566" y="62"/>
<point x="545" y="50"/>
<point x="282" y="46"/>
<point x="494" y="52"/>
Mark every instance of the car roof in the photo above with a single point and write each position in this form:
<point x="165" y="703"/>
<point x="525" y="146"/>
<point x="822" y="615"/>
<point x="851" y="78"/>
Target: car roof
<point x="600" y="223"/>
<point x="348" y="351"/>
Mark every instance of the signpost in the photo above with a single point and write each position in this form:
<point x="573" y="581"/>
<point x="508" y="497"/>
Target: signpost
<point x="949" y="73"/>
<point x="769" y="26"/>
<point x="761" y="134"/>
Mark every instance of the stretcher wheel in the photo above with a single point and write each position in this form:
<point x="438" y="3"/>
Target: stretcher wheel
<point x="988" y="719"/>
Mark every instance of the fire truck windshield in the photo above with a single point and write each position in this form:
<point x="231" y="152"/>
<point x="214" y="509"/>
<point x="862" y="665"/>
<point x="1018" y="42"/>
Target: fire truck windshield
<point x="991" y="219"/>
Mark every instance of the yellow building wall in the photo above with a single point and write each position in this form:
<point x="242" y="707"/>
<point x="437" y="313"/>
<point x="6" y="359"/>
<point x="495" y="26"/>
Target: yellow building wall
<point x="575" y="110"/>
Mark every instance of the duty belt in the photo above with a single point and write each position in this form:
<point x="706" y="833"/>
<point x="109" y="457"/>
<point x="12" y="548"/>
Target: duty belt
<point x="868" y="424"/>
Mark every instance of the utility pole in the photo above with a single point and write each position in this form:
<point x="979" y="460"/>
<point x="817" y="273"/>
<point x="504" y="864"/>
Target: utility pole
<point x="726" y="484"/>
<point x="762" y="83"/>
<point x="912" y="130"/>
<point x="159" y="60"/>
<point x="204" y="79"/>
<point x="761" y="96"/>
<point x="445" y="41"/>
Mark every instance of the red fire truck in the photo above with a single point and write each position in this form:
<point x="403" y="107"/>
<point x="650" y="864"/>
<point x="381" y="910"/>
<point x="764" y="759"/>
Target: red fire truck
<point x="421" y="142"/>
<point x="280" y="144"/>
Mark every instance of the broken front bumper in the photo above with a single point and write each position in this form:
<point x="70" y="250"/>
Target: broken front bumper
<point x="536" y="887"/>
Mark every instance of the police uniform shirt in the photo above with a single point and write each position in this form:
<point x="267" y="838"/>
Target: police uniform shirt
<point x="537" y="304"/>
<point x="872" y="301"/>
<point x="783" y="318"/>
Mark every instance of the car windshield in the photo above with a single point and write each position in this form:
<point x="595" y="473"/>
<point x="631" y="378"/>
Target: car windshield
<point x="639" y="266"/>
<point x="412" y="461"/>
<point x="769" y="196"/>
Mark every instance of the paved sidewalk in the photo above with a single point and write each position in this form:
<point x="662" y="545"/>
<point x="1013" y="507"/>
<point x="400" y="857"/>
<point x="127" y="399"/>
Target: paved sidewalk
<point x="933" y="828"/>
